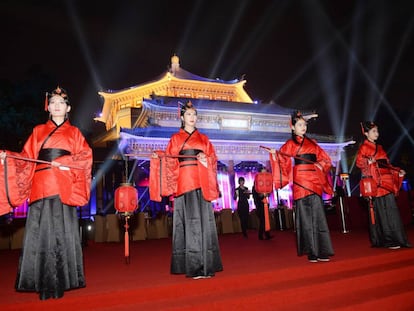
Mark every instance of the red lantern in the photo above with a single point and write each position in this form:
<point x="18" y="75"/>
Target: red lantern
<point x="263" y="182"/>
<point x="126" y="198"/>
<point x="368" y="187"/>
<point x="126" y="201"/>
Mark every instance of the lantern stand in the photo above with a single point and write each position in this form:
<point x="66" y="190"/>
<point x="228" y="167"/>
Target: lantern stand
<point x="280" y="211"/>
<point x="344" y="178"/>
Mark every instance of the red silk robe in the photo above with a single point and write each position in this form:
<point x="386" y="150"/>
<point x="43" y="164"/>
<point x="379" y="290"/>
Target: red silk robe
<point x="386" y="176"/>
<point x="281" y="176"/>
<point x="26" y="180"/>
<point x="15" y="182"/>
<point x="175" y="177"/>
<point x="307" y="178"/>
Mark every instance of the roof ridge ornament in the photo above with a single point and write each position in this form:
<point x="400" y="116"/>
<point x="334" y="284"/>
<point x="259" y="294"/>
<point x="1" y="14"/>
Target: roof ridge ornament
<point x="175" y="64"/>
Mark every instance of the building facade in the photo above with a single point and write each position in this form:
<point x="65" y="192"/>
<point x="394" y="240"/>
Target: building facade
<point x="141" y="119"/>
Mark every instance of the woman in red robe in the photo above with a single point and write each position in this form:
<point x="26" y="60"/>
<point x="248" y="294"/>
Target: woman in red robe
<point x="51" y="259"/>
<point x="312" y="164"/>
<point x="192" y="177"/>
<point x="386" y="228"/>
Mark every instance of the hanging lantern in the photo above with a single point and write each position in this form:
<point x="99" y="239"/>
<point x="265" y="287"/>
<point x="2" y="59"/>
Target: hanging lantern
<point x="126" y="198"/>
<point x="263" y="182"/>
<point x="368" y="187"/>
<point x="126" y="202"/>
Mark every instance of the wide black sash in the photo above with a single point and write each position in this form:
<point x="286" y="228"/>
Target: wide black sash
<point x="49" y="154"/>
<point x="189" y="152"/>
<point x="307" y="158"/>
<point x="382" y="162"/>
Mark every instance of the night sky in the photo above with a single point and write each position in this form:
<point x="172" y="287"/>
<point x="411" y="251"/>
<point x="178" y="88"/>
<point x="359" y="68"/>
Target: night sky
<point x="347" y="60"/>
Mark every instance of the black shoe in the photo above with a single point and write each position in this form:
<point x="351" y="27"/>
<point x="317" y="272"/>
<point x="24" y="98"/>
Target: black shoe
<point x="58" y="294"/>
<point x="269" y="237"/>
<point x="312" y="258"/>
<point x="198" y="277"/>
<point x="260" y="238"/>
<point x="394" y="247"/>
<point x="44" y="295"/>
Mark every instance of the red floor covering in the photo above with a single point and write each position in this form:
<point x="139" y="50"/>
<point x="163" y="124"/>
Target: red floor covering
<point x="258" y="275"/>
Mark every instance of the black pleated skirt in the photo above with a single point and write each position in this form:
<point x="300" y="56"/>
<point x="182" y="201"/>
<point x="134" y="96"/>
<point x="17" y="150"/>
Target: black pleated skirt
<point x="312" y="232"/>
<point x="388" y="230"/>
<point x="195" y="247"/>
<point x="51" y="260"/>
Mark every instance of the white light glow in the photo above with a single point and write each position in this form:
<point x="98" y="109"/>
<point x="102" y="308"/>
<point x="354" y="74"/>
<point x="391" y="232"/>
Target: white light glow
<point x="235" y="123"/>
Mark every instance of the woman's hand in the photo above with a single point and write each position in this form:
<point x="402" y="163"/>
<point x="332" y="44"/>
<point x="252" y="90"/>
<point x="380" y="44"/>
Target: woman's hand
<point x="55" y="164"/>
<point x="202" y="158"/>
<point x="319" y="166"/>
<point x="59" y="165"/>
<point x="273" y="152"/>
<point x="2" y="156"/>
<point x="154" y="155"/>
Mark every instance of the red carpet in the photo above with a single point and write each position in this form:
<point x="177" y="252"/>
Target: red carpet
<point x="258" y="275"/>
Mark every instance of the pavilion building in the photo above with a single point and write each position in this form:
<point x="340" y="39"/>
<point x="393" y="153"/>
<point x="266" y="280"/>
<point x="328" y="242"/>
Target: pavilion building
<point x="142" y="118"/>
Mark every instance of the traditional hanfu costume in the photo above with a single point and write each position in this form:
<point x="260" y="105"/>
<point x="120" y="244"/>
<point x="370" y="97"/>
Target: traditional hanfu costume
<point x="195" y="248"/>
<point x="309" y="182"/>
<point x="51" y="260"/>
<point x="386" y="228"/>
